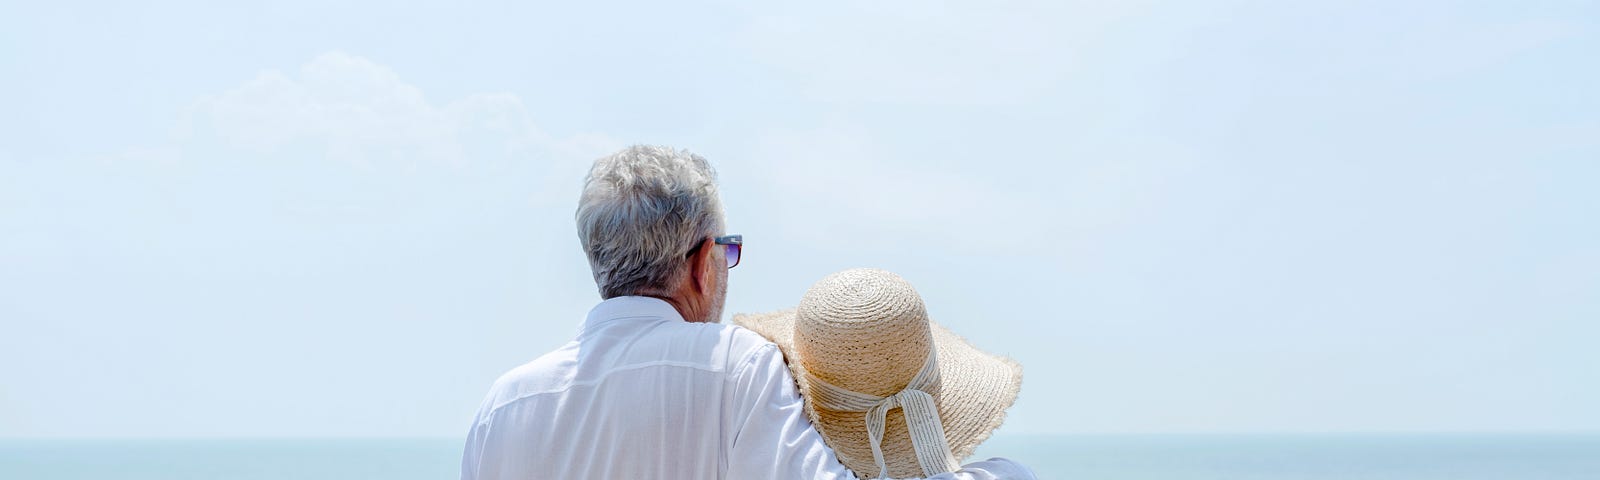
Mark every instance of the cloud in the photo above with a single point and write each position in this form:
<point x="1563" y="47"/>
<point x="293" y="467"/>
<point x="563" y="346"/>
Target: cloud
<point x="361" y="112"/>
<point x="344" y="139"/>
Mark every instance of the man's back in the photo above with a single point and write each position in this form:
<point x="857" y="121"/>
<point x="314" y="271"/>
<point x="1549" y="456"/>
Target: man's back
<point x="638" y="394"/>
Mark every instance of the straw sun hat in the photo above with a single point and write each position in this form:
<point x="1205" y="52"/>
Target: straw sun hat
<point x="867" y="358"/>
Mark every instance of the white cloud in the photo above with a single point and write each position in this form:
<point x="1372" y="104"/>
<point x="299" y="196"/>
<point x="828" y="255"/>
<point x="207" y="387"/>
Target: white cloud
<point x="363" y="112"/>
<point x="346" y="139"/>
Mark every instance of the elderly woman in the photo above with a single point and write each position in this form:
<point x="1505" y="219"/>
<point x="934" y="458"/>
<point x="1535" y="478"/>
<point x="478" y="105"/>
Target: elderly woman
<point x="860" y="345"/>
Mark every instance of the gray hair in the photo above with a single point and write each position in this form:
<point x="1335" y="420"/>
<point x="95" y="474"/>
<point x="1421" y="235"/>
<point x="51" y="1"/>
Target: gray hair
<point x="641" y="211"/>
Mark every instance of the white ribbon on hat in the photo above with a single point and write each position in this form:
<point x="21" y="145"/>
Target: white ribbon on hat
<point x="922" y="417"/>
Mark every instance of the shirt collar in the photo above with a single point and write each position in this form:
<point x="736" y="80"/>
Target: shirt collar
<point x="630" y="307"/>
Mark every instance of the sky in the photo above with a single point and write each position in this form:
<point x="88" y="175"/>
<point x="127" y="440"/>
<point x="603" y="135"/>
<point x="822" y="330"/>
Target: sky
<point x="315" y="219"/>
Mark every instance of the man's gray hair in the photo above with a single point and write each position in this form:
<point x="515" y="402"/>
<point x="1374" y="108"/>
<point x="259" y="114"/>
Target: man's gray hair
<point x="641" y="211"/>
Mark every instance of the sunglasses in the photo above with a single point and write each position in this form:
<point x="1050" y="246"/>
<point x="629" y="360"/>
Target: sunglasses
<point x="732" y="245"/>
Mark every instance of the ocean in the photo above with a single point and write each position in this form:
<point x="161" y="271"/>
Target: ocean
<point x="1304" y="457"/>
<point x="1097" y="457"/>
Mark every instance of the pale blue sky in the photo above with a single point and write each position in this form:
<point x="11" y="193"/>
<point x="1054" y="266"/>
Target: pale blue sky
<point x="302" y="219"/>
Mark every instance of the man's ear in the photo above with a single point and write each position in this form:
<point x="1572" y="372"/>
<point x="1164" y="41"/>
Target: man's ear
<point x="699" y="265"/>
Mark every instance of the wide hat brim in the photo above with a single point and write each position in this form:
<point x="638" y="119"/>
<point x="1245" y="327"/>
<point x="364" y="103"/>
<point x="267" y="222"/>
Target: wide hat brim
<point x="975" y="389"/>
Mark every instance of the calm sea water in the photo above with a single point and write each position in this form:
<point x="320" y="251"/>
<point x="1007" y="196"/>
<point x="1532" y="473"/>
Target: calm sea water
<point x="1098" y="457"/>
<point x="1304" y="457"/>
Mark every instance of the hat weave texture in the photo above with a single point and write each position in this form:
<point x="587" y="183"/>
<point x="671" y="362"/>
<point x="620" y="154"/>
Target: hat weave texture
<point x="867" y="330"/>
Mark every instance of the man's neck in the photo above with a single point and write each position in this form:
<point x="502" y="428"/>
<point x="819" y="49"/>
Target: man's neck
<point x="679" y="305"/>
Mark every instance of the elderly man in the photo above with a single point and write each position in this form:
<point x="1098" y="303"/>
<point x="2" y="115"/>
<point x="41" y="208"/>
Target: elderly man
<point x="653" y="386"/>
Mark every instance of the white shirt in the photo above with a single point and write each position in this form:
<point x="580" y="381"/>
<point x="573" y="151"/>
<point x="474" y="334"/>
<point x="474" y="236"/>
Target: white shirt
<point x="642" y="394"/>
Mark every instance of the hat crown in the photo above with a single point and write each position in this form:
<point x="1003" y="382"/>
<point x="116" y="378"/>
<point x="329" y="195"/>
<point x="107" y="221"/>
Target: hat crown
<point x="864" y="330"/>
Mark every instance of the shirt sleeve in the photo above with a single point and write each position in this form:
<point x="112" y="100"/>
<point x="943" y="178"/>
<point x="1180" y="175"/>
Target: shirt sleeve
<point x="472" y="455"/>
<point x="992" y="469"/>
<point x="769" y="435"/>
<point x="473" y="458"/>
<point x="769" y="432"/>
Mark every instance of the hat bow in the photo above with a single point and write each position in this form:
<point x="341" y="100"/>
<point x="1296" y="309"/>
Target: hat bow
<point x="922" y="417"/>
